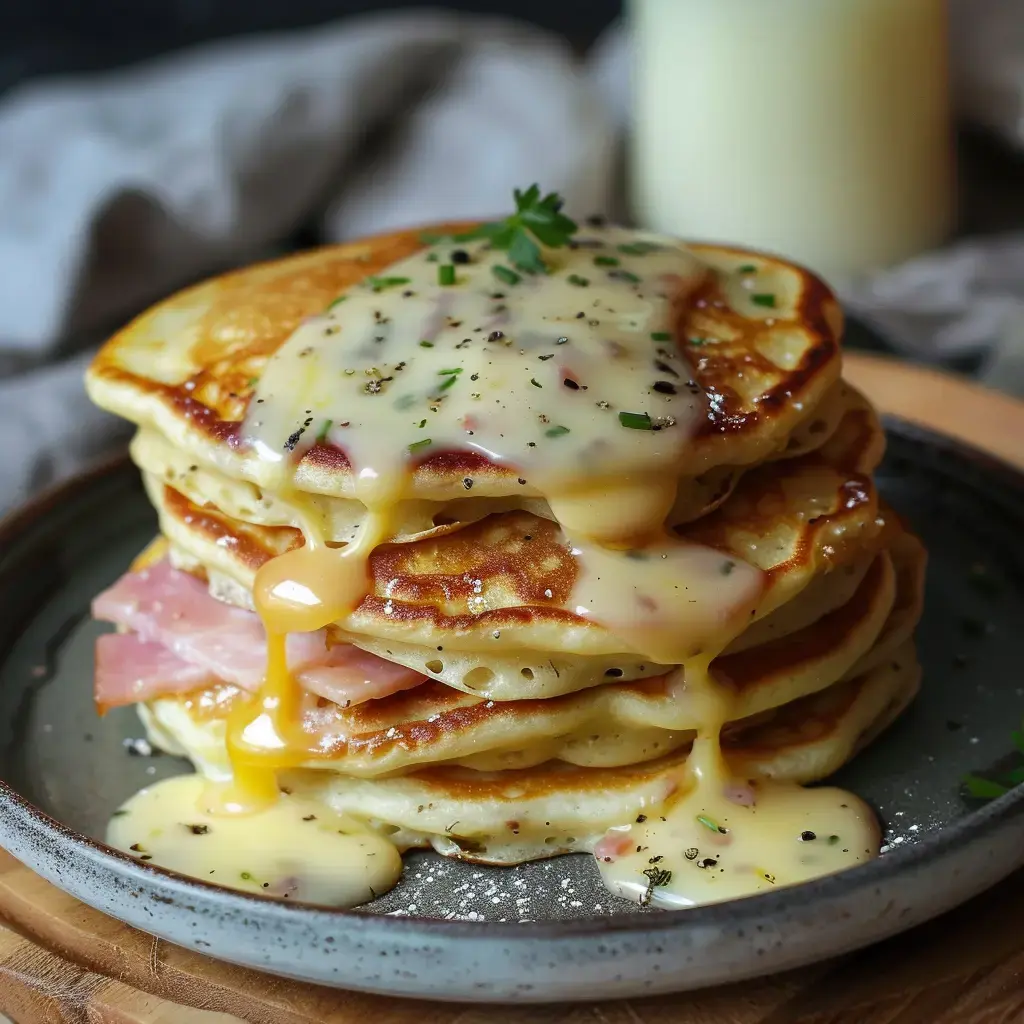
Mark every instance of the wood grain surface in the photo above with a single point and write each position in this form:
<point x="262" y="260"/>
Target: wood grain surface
<point x="62" y="961"/>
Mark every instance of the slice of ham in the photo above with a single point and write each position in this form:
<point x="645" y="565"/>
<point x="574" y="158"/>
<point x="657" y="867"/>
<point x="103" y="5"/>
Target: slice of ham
<point x="173" y="610"/>
<point x="127" y="667"/>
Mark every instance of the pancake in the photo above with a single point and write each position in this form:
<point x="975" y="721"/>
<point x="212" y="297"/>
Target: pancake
<point x="617" y="724"/>
<point x="511" y="816"/>
<point x="496" y="596"/>
<point x="187" y="367"/>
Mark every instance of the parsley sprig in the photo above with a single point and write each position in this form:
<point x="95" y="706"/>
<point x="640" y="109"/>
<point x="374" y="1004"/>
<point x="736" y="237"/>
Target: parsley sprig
<point x="537" y="219"/>
<point x="982" y="788"/>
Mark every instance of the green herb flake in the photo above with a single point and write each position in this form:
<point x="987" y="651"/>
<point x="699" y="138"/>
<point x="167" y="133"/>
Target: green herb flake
<point x="710" y="823"/>
<point x="446" y="274"/>
<point x="504" y="274"/>
<point x="324" y="430"/>
<point x="537" y="219"/>
<point x="418" y="446"/>
<point x="557" y="431"/>
<point x="448" y="382"/>
<point x="337" y="302"/>
<point x="426" y="344"/>
<point x="624" y="275"/>
<point x="748" y="268"/>
<point x="448" y="373"/>
<point x="833" y="840"/>
<point x="533" y="381"/>
<point x="605" y="261"/>
<point x="763" y="299"/>
<point x="661" y="335"/>
<point x="580" y="282"/>
<point x="636" y="420"/>
<point x="697" y="342"/>
<point x="120" y="813"/>
<point x="640" y="248"/>
<point x="246" y="876"/>
<point x="422" y="424"/>
<point x="983" y="789"/>
<point x="378" y="284"/>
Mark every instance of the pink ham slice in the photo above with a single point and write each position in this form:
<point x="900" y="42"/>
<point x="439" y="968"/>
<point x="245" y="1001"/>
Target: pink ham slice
<point x="174" y="611"/>
<point x="127" y="669"/>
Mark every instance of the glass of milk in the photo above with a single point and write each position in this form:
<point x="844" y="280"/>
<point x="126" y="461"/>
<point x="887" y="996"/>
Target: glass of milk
<point x="818" y="129"/>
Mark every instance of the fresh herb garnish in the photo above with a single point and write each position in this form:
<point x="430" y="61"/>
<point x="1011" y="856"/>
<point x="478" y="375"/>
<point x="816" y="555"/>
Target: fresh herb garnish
<point x="580" y="282"/>
<point x="639" y="248"/>
<point x="246" y="876"/>
<point x="337" y="302"/>
<point x="447" y="373"/>
<point x="556" y="431"/>
<point x="422" y="424"/>
<point x="748" y="268"/>
<point x="989" y="788"/>
<point x="763" y="299"/>
<point x="636" y="420"/>
<point x="661" y="335"/>
<point x="322" y="434"/>
<point x="533" y="381"/>
<point x="426" y="344"/>
<point x="446" y="274"/>
<point x="120" y="813"/>
<point x="506" y="275"/>
<point x="624" y="275"/>
<point x="710" y="823"/>
<point x="378" y="284"/>
<point x="417" y="446"/>
<point x="605" y="261"/>
<point x="448" y="382"/>
<point x="541" y="218"/>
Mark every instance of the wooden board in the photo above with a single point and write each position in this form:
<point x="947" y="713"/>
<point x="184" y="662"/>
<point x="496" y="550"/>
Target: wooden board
<point x="62" y="961"/>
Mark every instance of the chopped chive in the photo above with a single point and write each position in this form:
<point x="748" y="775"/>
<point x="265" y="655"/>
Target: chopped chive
<point x="748" y="268"/>
<point x="446" y="274"/>
<point x="661" y="336"/>
<point x="605" y="261"/>
<point x="764" y="299"/>
<point x="533" y="381"/>
<point x="337" y="302"/>
<point x="983" y="789"/>
<point x="253" y="381"/>
<point x="506" y="275"/>
<point x="120" y="813"/>
<point x="378" y="284"/>
<point x="324" y="430"/>
<point x="580" y="282"/>
<point x="639" y="248"/>
<point x="709" y="823"/>
<point x="624" y="275"/>
<point x="556" y="431"/>
<point x="448" y="382"/>
<point x="423" y="423"/>
<point x="636" y="420"/>
<point x="446" y="373"/>
<point x="426" y="344"/>
<point x="417" y="446"/>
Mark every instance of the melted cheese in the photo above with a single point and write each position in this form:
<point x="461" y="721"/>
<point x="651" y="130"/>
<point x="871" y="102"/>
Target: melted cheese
<point x="295" y="848"/>
<point x="723" y="840"/>
<point x="572" y="380"/>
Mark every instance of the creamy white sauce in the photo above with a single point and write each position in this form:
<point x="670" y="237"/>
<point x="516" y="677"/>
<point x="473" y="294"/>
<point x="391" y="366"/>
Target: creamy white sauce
<point x="294" y="849"/>
<point x="716" y="843"/>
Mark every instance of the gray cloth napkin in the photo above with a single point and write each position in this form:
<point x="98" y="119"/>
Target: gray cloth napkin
<point x="116" y="189"/>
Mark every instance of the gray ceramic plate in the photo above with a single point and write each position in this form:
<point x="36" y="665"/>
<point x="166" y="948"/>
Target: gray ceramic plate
<point x="545" y="931"/>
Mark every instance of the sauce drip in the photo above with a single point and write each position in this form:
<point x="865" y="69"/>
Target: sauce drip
<point x="295" y="848"/>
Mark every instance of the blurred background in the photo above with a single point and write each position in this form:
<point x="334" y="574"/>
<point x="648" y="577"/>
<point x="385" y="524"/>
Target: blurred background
<point x="145" y="144"/>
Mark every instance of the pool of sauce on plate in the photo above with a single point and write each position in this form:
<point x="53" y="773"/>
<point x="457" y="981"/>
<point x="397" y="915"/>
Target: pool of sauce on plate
<point x="573" y="380"/>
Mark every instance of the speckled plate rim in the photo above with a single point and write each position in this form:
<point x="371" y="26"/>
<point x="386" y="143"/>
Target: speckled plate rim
<point x="996" y="830"/>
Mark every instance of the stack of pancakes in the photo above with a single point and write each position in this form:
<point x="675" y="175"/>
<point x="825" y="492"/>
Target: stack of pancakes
<point x="512" y="725"/>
